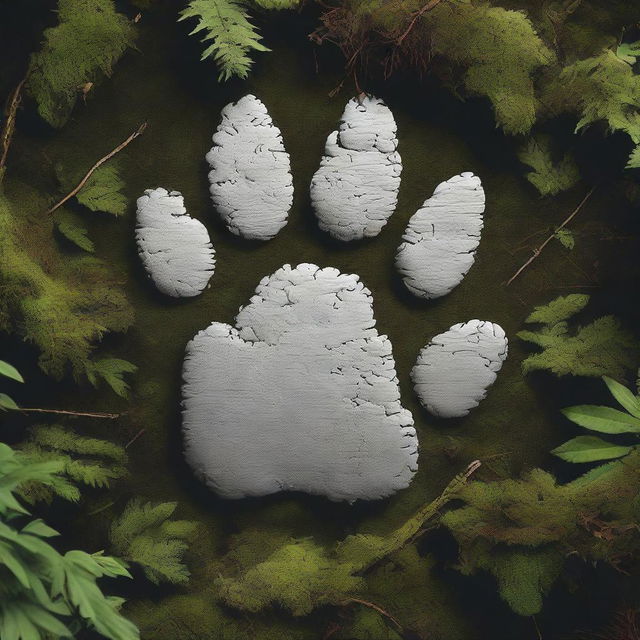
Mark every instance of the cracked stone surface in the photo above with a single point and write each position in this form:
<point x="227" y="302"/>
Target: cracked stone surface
<point x="301" y="395"/>
<point x="174" y="247"/>
<point x="454" y="371"/>
<point x="355" y="190"/>
<point x="250" y="177"/>
<point x="439" y="245"/>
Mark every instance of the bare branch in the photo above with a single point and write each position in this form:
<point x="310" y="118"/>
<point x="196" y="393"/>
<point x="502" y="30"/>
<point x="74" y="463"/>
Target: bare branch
<point x="138" y="132"/>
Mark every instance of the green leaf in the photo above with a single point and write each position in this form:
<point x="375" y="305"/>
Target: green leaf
<point x="547" y="176"/>
<point x="589" y="449"/>
<point x="625" y="397"/>
<point x="629" y="51"/>
<point x="226" y="24"/>
<point x="9" y="371"/>
<point x="68" y="225"/>
<point x="104" y="190"/>
<point x="562" y="308"/>
<point x="7" y="403"/>
<point x="634" y="158"/>
<point x="566" y="238"/>
<point x="603" y="419"/>
<point x="112" y="371"/>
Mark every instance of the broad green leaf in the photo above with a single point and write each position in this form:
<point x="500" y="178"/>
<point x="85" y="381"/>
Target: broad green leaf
<point x="625" y="397"/>
<point x="603" y="419"/>
<point x="9" y="371"/>
<point x="565" y="238"/>
<point x="589" y="449"/>
<point x="7" y="403"/>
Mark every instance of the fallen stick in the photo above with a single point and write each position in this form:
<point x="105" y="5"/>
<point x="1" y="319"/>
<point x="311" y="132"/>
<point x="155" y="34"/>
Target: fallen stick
<point x="375" y="607"/>
<point x="137" y="133"/>
<point x="82" y="414"/>
<point x="538" y="250"/>
<point x="9" y="124"/>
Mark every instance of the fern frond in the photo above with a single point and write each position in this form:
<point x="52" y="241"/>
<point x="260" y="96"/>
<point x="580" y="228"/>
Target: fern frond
<point x="104" y="190"/>
<point x="85" y="461"/>
<point x="68" y="224"/>
<point x="546" y="175"/>
<point x="112" y="371"/>
<point x="89" y="39"/>
<point x="232" y="37"/>
<point x="143" y="534"/>
<point x="61" y="439"/>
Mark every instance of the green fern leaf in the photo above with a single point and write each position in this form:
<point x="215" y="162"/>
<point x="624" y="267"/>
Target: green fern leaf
<point x="547" y="176"/>
<point x="88" y="462"/>
<point x="89" y="39"/>
<point x="104" y="190"/>
<point x="69" y="226"/>
<point x="144" y="535"/>
<point x="112" y="371"/>
<point x="558" y="310"/>
<point x="226" y="25"/>
<point x="597" y="349"/>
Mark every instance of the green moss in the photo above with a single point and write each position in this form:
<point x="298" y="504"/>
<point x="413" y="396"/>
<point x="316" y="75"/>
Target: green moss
<point x="89" y="39"/>
<point x="64" y="304"/>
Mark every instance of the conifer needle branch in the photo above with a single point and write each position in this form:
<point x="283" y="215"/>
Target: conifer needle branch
<point x="82" y="414"/>
<point x="137" y="133"/>
<point x="9" y="124"/>
<point x="537" y="251"/>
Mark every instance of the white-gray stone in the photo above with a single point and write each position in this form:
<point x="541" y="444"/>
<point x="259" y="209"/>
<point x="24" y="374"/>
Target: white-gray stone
<point x="174" y="247"/>
<point x="250" y="177"/>
<point x="355" y="190"/>
<point x="440" y="242"/>
<point x="454" y="371"/>
<point x="301" y="395"/>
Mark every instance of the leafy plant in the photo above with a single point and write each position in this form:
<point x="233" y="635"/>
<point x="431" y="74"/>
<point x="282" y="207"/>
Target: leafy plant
<point x="521" y="531"/>
<point x="226" y="27"/>
<point x="62" y="303"/>
<point x="82" y="48"/>
<point x="602" y="420"/>
<point x="145" y="535"/>
<point x="599" y="348"/>
<point x="601" y="88"/>
<point x="89" y="462"/>
<point x="300" y="574"/>
<point x="8" y="371"/>
<point x="45" y="594"/>
<point x="547" y="176"/>
<point x="69" y="225"/>
<point x="103" y="191"/>
<point x="112" y="371"/>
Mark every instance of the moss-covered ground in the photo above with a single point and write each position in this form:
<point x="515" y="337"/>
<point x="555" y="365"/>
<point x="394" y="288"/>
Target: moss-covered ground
<point x="516" y="426"/>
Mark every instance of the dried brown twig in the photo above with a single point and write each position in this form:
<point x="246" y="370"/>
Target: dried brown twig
<point x="538" y="250"/>
<point x="137" y="133"/>
<point x="9" y="124"/>
<point x="82" y="414"/>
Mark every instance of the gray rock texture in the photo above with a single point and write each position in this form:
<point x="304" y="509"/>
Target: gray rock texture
<point x="301" y="395"/>
<point x="175" y="248"/>
<point x="439" y="245"/>
<point x="355" y="189"/>
<point x="454" y="371"/>
<point x="250" y="177"/>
